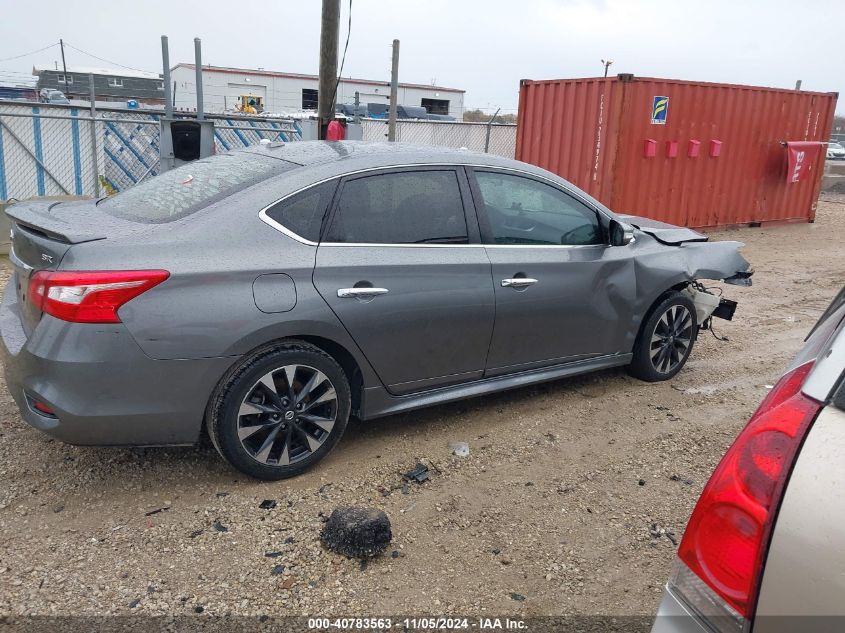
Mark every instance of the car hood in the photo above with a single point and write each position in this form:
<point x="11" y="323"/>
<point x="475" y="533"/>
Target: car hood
<point x="663" y="232"/>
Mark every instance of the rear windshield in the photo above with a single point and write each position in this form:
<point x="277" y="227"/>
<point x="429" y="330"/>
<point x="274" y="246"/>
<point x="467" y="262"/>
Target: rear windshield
<point x="182" y="191"/>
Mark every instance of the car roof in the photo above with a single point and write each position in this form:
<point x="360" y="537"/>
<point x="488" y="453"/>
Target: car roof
<point x="356" y="155"/>
<point x="331" y="159"/>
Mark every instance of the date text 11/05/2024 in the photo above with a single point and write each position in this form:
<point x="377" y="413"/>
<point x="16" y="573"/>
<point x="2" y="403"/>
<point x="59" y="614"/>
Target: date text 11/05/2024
<point x="417" y="624"/>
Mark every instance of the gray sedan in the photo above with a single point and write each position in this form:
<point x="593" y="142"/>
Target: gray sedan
<point x="268" y="294"/>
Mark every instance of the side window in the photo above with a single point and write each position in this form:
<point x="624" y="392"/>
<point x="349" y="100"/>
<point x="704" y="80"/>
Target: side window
<point x="415" y="207"/>
<point x="303" y="213"/>
<point x="524" y="211"/>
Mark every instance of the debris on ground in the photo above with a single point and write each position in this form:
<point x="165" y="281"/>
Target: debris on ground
<point x="682" y="479"/>
<point x="459" y="449"/>
<point x="517" y="596"/>
<point x="267" y="504"/>
<point x="219" y="527"/>
<point x="357" y="532"/>
<point x="156" y="511"/>
<point x="656" y="532"/>
<point x="418" y="473"/>
<point x="278" y="570"/>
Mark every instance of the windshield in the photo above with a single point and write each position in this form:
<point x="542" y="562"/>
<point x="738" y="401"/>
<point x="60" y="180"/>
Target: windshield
<point x="187" y="189"/>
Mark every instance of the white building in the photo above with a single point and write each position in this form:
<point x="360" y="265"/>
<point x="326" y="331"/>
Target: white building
<point x="293" y="92"/>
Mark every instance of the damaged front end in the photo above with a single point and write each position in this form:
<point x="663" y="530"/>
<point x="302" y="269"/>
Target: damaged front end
<point x="677" y="257"/>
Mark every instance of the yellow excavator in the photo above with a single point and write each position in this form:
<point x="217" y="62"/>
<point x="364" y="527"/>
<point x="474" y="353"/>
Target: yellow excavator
<point x="250" y="104"/>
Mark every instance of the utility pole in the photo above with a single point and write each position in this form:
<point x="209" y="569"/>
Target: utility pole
<point x="64" y="66"/>
<point x="606" y="65"/>
<point x="357" y="117"/>
<point x="329" y="34"/>
<point x="198" y="68"/>
<point x="394" y="92"/>
<point x="165" y="62"/>
<point x="95" y="170"/>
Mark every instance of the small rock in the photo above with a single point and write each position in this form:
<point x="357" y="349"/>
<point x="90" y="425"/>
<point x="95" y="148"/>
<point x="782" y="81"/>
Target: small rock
<point x="272" y="554"/>
<point x="199" y="608"/>
<point x="641" y="482"/>
<point x="267" y="504"/>
<point x="278" y="570"/>
<point x="219" y="527"/>
<point x="134" y="603"/>
<point x="518" y="597"/>
<point x="459" y="449"/>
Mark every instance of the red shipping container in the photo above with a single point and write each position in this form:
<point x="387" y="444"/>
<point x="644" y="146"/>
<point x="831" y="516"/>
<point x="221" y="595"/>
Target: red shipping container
<point x="593" y="131"/>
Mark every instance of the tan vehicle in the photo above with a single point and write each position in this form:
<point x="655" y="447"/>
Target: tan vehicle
<point x="765" y="545"/>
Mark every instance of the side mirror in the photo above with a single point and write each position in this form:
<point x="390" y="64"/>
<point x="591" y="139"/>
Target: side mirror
<point x="620" y="234"/>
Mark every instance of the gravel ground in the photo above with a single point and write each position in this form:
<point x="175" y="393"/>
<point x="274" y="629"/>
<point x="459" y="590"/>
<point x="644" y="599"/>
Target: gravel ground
<point x="571" y="502"/>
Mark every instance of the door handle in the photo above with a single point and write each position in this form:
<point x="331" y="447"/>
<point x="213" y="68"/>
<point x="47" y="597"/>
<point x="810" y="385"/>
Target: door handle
<point x="518" y="282"/>
<point x="360" y="293"/>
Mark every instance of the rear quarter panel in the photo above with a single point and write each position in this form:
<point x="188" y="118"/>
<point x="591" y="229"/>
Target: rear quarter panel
<point x="207" y="308"/>
<point x="804" y="575"/>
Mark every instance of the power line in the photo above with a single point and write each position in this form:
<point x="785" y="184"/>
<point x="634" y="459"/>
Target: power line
<point x="8" y="59"/>
<point x="102" y="59"/>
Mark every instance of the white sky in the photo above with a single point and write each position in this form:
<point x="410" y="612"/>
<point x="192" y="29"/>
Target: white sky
<point x="482" y="46"/>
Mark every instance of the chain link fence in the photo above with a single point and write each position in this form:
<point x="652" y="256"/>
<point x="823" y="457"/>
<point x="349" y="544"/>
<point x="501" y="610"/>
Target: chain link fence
<point x="52" y="150"/>
<point x="496" y="138"/>
<point x="48" y="150"/>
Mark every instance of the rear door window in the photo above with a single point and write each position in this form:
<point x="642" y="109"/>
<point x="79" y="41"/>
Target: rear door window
<point x="413" y="207"/>
<point x="182" y="191"/>
<point x="303" y="212"/>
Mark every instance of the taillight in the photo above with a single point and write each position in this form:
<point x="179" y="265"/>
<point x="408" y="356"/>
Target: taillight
<point x="89" y="297"/>
<point x="727" y="537"/>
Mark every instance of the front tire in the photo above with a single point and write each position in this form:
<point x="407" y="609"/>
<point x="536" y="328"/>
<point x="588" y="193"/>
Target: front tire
<point x="280" y="411"/>
<point x="666" y="339"/>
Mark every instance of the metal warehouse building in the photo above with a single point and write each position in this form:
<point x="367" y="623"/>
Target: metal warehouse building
<point x="291" y="92"/>
<point x="691" y="153"/>
<point x="117" y="85"/>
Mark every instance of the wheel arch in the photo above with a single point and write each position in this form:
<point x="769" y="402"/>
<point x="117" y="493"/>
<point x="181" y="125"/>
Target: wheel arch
<point x="347" y="360"/>
<point x="656" y="300"/>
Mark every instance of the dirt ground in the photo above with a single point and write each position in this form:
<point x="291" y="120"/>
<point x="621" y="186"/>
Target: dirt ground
<point x="572" y="500"/>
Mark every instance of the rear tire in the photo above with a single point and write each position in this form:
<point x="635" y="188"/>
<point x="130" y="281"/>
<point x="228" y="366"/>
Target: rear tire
<point x="280" y="411"/>
<point x="665" y="340"/>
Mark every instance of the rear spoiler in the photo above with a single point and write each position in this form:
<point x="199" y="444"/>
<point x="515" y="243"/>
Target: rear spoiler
<point x="36" y="216"/>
